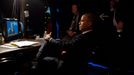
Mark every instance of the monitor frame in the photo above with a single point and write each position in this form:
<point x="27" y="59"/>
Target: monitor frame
<point x="9" y="37"/>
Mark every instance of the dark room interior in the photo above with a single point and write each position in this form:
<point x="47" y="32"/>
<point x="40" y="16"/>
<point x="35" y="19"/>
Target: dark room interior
<point x="112" y="54"/>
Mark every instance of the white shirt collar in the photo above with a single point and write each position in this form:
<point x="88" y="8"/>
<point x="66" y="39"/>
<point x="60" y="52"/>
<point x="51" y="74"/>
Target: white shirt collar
<point x="119" y="30"/>
<point x="86" y="31"/>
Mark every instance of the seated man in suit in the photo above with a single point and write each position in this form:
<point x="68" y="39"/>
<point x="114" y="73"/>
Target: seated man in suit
<point x="74" y="25"/>
<point x="75" y="61"/>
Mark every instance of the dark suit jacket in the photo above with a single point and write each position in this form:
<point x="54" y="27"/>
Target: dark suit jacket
<point x="75" y="23"/>
<point x="76" y="59"/>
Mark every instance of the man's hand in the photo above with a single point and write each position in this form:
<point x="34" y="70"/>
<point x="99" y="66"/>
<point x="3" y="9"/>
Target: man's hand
<point x="47" y="36"/>
<point x="71" y="33"/>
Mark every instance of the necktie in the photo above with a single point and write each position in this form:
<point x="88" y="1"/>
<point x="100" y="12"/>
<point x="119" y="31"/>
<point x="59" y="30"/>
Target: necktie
<point x="73" y="24"/>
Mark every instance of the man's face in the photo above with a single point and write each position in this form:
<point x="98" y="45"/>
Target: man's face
<point x="84" y="23"/>
<point x="120" y="25"/>
<point x="74" y="8"/>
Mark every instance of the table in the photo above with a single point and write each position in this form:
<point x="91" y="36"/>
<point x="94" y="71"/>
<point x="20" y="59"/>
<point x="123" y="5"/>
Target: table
<point x="12" y="59"/>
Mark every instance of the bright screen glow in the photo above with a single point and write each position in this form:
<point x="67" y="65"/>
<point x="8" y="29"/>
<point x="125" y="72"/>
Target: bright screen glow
<point x="12" y="28"/>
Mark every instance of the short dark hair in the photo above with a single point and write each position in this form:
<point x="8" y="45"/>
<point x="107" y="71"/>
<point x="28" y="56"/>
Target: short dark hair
<point x="90" y="16"/>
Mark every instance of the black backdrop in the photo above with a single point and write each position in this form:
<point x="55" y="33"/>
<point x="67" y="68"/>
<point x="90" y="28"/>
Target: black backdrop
<point x="37" y="9"/>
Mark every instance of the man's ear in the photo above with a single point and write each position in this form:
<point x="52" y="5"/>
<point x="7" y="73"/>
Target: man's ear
<point x="90" y="23"/>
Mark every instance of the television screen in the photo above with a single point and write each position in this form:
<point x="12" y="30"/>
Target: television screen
<point x="12" y="27"/>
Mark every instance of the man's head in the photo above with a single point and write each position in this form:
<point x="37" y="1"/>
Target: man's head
<point x="113" y="4"/>
<point x="74" y="8"/>
<point x="86" y="22"/>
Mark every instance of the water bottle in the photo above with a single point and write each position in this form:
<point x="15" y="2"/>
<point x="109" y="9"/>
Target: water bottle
<point x="1" y="39"/>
